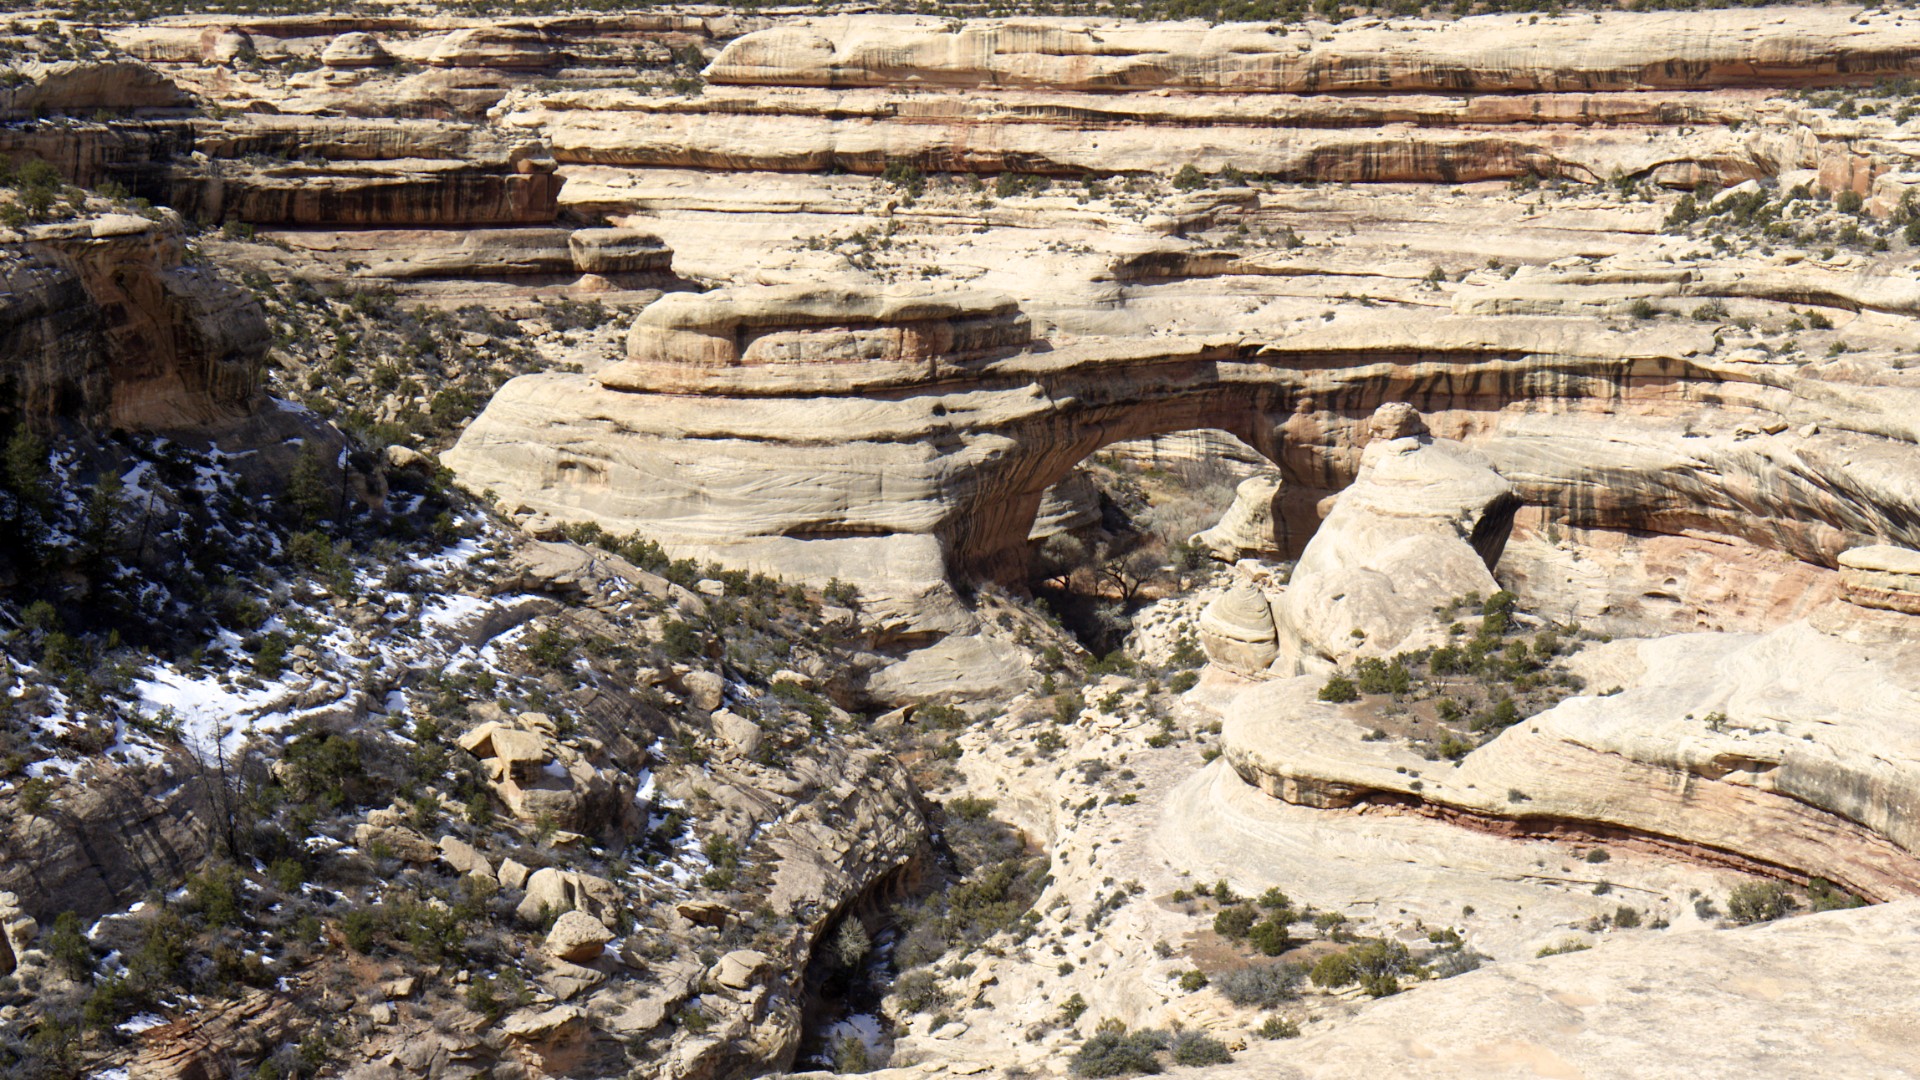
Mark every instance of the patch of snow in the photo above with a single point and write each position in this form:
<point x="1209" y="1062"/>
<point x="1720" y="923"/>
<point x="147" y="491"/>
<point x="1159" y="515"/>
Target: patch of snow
<point x="320" y="845"/>
<point x="449" y="611"/>
<point x="136" y="1024"/>
<point x="207" y="711"/>
<point x="456" y="556"/>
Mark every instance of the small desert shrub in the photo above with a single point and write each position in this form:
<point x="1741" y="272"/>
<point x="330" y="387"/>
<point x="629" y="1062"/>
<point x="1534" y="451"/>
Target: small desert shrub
<point x="1259" y="985"/>
<point x="1234" y="922"/>
<point x="1339" y="690"/>
<point x="1456" y="962"/>
<point x="1194" y="1048"/>
<point x="1270" y="937"/>
<point x="1828" y="897"/>
<point x="919" y="991"/>
<point x="1760" y="901"/>
<point x="1280" y="1027"/>
<point x="1115" y="1051"/>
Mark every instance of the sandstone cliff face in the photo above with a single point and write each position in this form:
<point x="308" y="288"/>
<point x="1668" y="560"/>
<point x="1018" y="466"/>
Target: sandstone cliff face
<point x="105" y="325"/>
<point x="1456" y="102"/>
<point x="86" y="88"/>
<point x="115" y="837"/>
<point x="350" y="172"/>
<point x="1487" y="56"/>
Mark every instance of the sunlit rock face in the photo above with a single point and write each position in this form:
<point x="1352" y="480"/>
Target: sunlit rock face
<point x="1882" y="576"/>
<point x="1423" y="523"/>
<point x="799" y="446"/>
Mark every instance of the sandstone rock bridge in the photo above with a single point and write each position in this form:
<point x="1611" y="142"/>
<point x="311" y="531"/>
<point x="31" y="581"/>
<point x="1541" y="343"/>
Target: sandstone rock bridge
<point x="903" y="439"/>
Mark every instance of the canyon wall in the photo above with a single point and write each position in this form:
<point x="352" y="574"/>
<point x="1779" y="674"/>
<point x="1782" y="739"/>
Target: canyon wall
<point x="106" y="325"/>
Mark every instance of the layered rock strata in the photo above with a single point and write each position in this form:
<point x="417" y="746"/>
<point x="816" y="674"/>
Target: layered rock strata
<point x="1723" y="49"/>
<point x="801" y="339"/>
<point x="536" y="253"/>
<point x="1461" y="101"/>
<point x="344" y="171"/>
<point x="1882" y="576"/>
<point x="1715" y="746"/>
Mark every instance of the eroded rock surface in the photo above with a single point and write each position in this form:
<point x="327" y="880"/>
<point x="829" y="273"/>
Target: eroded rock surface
<point x="1721" y="745"/>
<point x="1424" y="522"/>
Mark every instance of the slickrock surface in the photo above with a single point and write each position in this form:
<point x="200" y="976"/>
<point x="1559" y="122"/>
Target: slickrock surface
<point x="1804" y="994"/>
<point x="1725" y="745"/>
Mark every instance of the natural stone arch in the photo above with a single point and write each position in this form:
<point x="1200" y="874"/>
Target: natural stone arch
<point x="987" y="537"/>
<point x="902" y="439"/>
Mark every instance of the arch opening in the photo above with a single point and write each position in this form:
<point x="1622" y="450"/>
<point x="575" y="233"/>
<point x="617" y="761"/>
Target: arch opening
<point x="1137" y="518"/>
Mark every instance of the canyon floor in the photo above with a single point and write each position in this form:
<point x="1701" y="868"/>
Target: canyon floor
<point x="706" y="543"/>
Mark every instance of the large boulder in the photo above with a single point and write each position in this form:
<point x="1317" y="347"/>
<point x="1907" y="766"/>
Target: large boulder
<point x="1237" y="629"/>
<point x="739" y="736"/>
<point x="355" y="50"/>
<point x="539" y="776"/>
<point x="1882" y="576"/>
<point x="619" y="251"/>
<point x="961" y="667"/>
<point x="551" y="890"/>
<point x="577" y="938"/>
<point x="464" y="858"/>
<point x="705" y="690"/>
<point x="1422" y="524"/>
<point x="396" y="841"/>
<point x="738" y="969"/>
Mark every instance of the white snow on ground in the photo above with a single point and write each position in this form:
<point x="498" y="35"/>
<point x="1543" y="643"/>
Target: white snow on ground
<point x="138" y="1023"/>
<point x="452" y="558"/>
<point x="450" y="611"/>
<point x="207" y="711"/>
<point x="863" y="1026"/>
